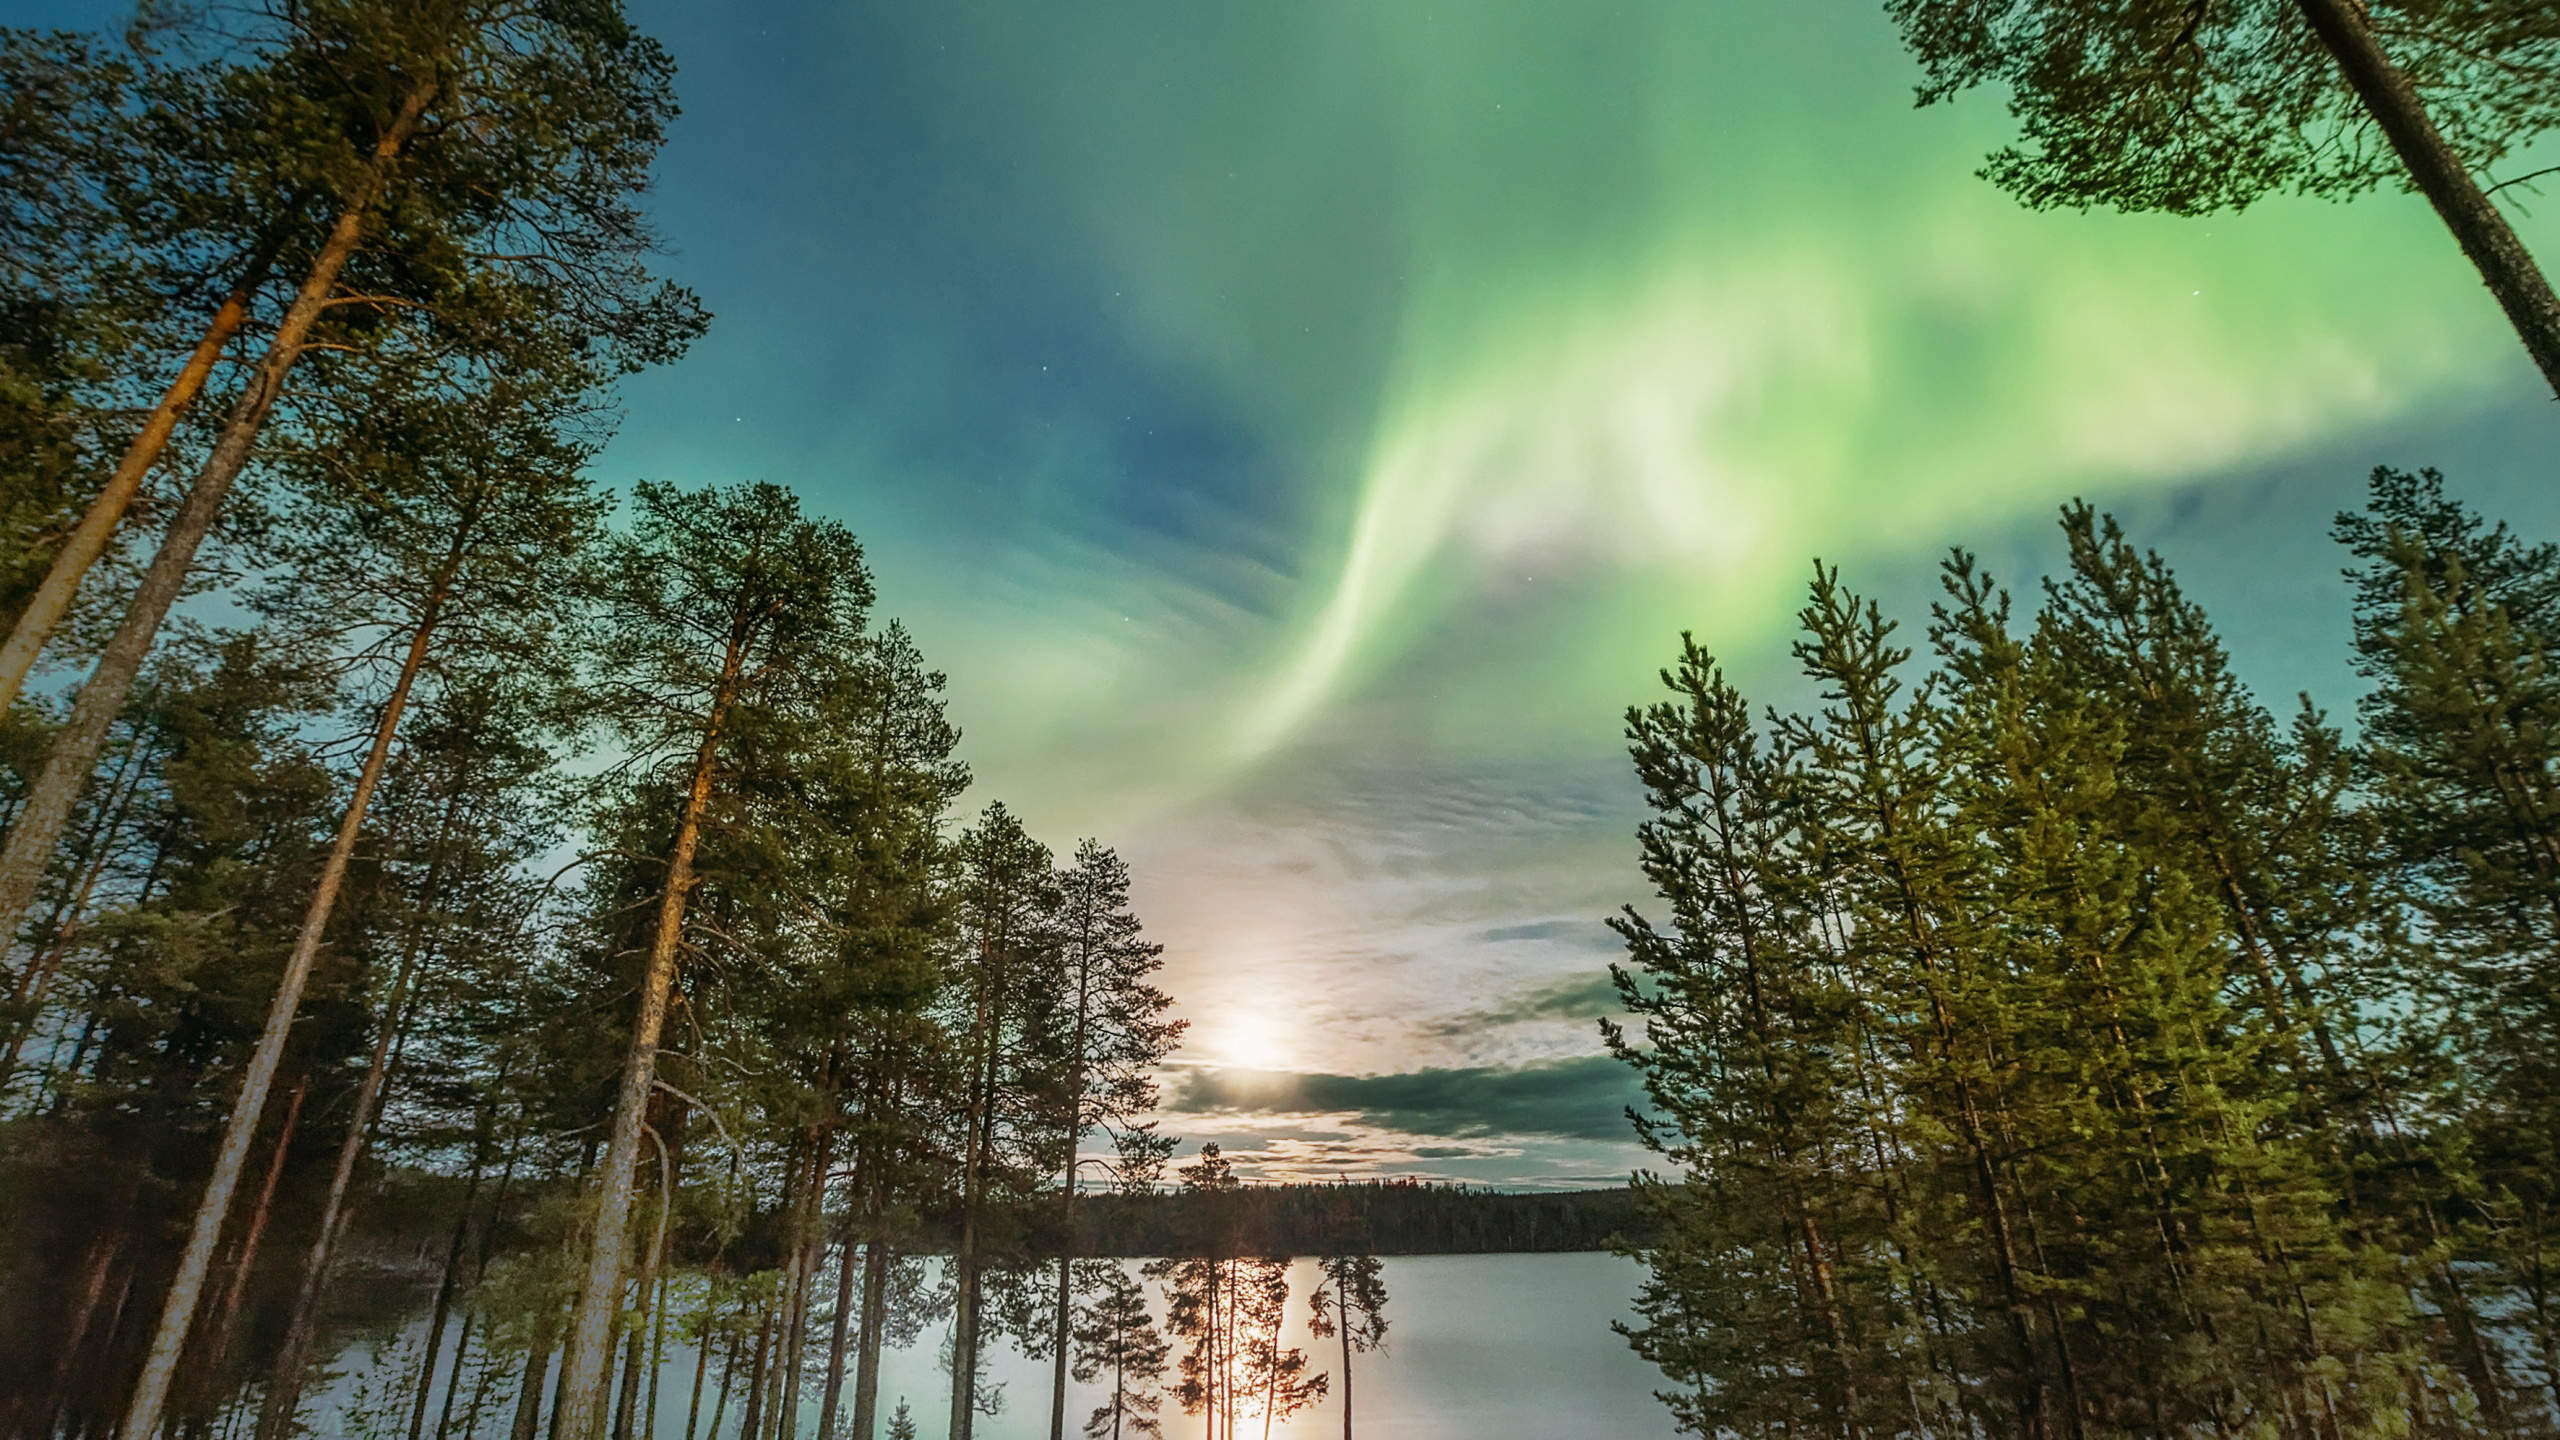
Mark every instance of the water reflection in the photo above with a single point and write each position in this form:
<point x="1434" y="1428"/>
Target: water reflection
<point x="1482" y="1347"/>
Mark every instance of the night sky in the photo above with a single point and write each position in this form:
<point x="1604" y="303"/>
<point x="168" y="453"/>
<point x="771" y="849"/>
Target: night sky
<point x="1301" y="429"/>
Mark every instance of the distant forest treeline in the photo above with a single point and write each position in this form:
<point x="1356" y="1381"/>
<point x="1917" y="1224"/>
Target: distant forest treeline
<point x="1400" y="1218"/>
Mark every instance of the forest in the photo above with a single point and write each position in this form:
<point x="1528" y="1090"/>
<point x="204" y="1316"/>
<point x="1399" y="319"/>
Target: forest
<point x="2054" y="1041"/>
<point x="441" y="889"/>
<point x="545" y="943"/>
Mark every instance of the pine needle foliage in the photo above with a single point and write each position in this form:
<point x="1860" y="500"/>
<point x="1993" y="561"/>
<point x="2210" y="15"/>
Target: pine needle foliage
<point x="2015" y="1037"/>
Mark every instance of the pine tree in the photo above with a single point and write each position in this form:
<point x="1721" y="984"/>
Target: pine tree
<point x="1001" y="983"/>
<point x="1350" y="1300"/>
<point x="1115" y="1336"/>
<point x="1109" y="1026"/>
<point x="717" y="612"/>
<point x="2194" y="108"/>
<point x="2457" y="622"/>
<point x="1201" y="1283"/>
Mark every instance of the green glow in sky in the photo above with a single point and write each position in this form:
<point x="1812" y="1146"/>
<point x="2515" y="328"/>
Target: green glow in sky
<point x="1525" y="335"/>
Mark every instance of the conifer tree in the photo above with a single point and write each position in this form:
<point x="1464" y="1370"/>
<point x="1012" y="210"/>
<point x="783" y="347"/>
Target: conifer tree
<point x="1115" y="1336"/>
<point x="2194" y="108"/>
<point x="1349" y="1301"/>
<point x="479" y="162"/>
<point x="717" y="613"/>
<point x="1202" y="1285"/>
<point x="1002" y="978"/>
<point x="2457" y="624"/>
<point x="1110" y="1032"/>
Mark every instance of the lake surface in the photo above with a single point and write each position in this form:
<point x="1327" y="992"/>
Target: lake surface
<point x="1480" y="1347"/>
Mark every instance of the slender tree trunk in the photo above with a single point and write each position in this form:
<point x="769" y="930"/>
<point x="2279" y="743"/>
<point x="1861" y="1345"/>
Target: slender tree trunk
<point x="75" y="1329"/>
<point x="728" y="1376"/>
<point x="875" y="1304"/>
<point x="88" y="540"/>
<point x="480" y="1272"/>
<point x="284" y="1386"/>
<point x="964" y="1334"/>
<point x="227" y="1313"/>
<point x="142" y="1418"/>
<point x="461" y="1364"/>
<point x="591" y="1334"/>
<point x="1342" y="1313"/>
<point x="657" y="1349"/>
<point x="2505" y="266"/>
<point x="836" y="1340"/>
<point x="748" y="1426"/>
<point x="529" y="1399"/>
<point x="806" y="1229"/>
<point x="647" y="1293"/>
<point x="75" y="751"/>
<point x="701" y="1364"/>
<point x="443" y="1308"/>
<point x="37" y="978"/>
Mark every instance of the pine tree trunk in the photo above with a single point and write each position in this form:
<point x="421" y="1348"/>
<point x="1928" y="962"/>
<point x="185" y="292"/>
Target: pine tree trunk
<point x="648" y="1291"/>
<point x="37" y="978"/>
<point x="529" y="1398"/>
<point x="748" y="1426"/>
<point x="284" y="1386"/>
<point x="75" y="751"/>
<point x="443" y="1308"/>
<point x="89" y="539"/>
<point x="480" y="1272"/>
<point x="1342" y="1313"/>
<point x="142" y="1418"/>
<point x="657" y="1349"/>
<point x="875" y="1304"/>
<point x="806" y="1229"/>
<point x="701" y="1365"/>
<point x="2505" y="266"/>
<point x="227" y="1313"/>
<point x="591" y="1334"/>
<point x="836" y="1341"/>
<point x="728" y="1377"/>
<point x="964" y="1334"/>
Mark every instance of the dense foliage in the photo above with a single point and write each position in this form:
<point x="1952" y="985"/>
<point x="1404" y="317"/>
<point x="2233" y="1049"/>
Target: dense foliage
<point x="493" y="898"/>
<point x="2057" y="1044"/>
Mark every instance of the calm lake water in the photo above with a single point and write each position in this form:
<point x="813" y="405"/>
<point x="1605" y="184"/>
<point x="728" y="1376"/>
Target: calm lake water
<point x="1482" y="1347"/>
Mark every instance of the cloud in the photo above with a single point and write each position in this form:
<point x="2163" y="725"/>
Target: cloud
<point x="1587" y="934"/>
<point x="1584" y="1098"/>
<point x="1575" y="999"/>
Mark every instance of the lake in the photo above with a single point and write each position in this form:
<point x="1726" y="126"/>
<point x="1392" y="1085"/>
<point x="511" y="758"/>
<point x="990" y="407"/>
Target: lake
<point x="1480" y="1347"/>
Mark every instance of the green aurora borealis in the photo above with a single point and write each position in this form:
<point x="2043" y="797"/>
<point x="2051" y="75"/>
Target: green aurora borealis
<point x="1300" y="430"/>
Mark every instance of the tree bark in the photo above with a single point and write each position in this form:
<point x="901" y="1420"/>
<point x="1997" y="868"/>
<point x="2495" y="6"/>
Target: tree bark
<point x="37" y="978"/>
<point x="749" y="1426"/>
<point x="226" y="1314"/>
<point x="836" y="1341"/>
<point x="591" y="1334"/>
<point x="529" y="1398"/>
<point x="479" y="1272"/>
<point x="866" y="1369"/>
<point x="74" y="753"/>
<point x="728" y="1377"/>
<point x="88" y="540"/>
<point x="2505" y="266"/>
<point x="284" y="1386"/>
<point x="638" y="1353"/>
<point x="1342" y="1313"/>
<point x="443" y="1309"/>
<point x="142" y="1417"/>
<point x="808" y="1230"/>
